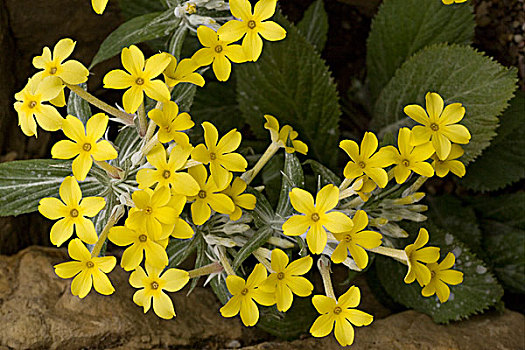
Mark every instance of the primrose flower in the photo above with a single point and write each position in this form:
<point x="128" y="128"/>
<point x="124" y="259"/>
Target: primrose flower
<point x="317" y="217"/>
<point x="171" y="123"/>
<point x="71" y="72"/>
<point x="153" y="286"/>
<point x="439" y="125"/>
<point x="181" y="229"/>
<point x="208" y="196"/>
<point x="252" y="25"/>
<point x="30" y="105"/>
<point x="141" y="243"/>
<point x="451" y="164"/>
<point x="244" y="294"/>
<point x="409" y="158"/>
<point x="140" y="78"/>
<point x="220" y="154"/>
<point x="240" y="199"/>
<point x="416" y="254"/>
<point x="166" y="172"/>
<point x="366" y="160"/>
<point x="152" y="212"/>
<point x="286" y="279"/>
<point x="99" y="5"/>
<point x="88" y="271"/>
<point x="280" y="137"/>
<point x="71" y="211"/>
<point x="366" y="188"/>
<point x="218" y="52"/>
<point x="183" y="72"/>
<point x="85" y="148"/>
<point x="355" y="240"/>
<point x="342" y="313"/>
<point x="441" y="275"/>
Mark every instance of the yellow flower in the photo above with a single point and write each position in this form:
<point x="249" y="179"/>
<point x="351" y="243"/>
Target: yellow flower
<point x="317" y="218"/>
<point x="244" y="294"/>
<point x="153" y="286"/>
<point x="365" y="160"/>
<point x="355" y="240"/>
<point x="183" y="72"/>
<point x="240" y="199"/>
<point x="441" y="275"/>
<point x="99" y="5"/>
<point x="416" y="254"/>
<point x="439" y="125"/>
<point x="152" y="212"/>
<point x="71" y="72"/>
<point x="209" y="196"/>
<point x="342" y="313"/>
<point x="220" y="154"/>
<point x="281" y="136"/>
<point x="181" y="229"/>
<point x="71" y="211"/>
<point x="29" y="105"/>
<point x="142" y="243"/>
<point x="366" y="188"/>
<point x="85" y="148"/>
<point x="166" y="172"/>
<point x="218" y="51"/>
<point x="171" y="123"/>
<point x="88" y="271"/>
<point x="409" y="158"/>
<point x="442" y="167"/>
<point x="253" y="25"/>
<point x="286" y="279"/>
<point x="448" y="2"/>
<point x="140" y="79"/>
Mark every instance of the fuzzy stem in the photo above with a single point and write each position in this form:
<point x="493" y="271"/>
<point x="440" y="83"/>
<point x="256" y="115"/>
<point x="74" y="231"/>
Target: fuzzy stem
<point x="117" y="213"/>
<point x="249" y="175"/>
<point x="397" y="254"/>
<point x="214" y="267"/>
<point x="323" y="264"/>
<point x="344" y="185"/>
<point x="143" y="122"/>
<point x="112" y="171"/>
<point x="415" y="186"/>
<point x="224" y="262"/>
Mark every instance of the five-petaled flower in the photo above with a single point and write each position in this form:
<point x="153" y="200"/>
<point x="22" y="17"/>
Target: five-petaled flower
<point x="153" y="285"/>
<point x="416" y="254"/>
<point x="182" y="72"/>
<point x="355" y="240"/>
<point x="442" y="167"/>
<point x="439" y="125"/>
<point x="71" y="211"/>
<point x="281" y="136"/>
<point x="240" y="199"/>
<point x="88" y="271"/>
<point x="171" y="123"/>
<point x="244" y="294"/>
<point x="140" y="79"/>
<point x="441" y="275"/>
<point x="253" y="25"/>
<point x="342" y="313"/>
<point x="316" y="218"/>
<point x="86" y="146"/>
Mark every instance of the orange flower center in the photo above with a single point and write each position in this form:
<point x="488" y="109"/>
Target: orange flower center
<point x="154" y="285"/>
<point x="53" y="70"/>
<point x="90" y="264"/>
<point x="315" y="217"/>
<point x="405" y="162"/>
<point x="252" y="24"/>
<point x="337" y="310"/>
<point x="166" y="174"/>
<point x="280" y="275"/>
<point x="202" y="194"/>
<point x="143" y="238"/>
<point x="32" y="104"/>
<point x="148" y="210"/>
<point x="244" y="291"/>
<point x="218" y="48"/>
<point x="73" y="213"/>
<point x="213" y="156"/>
<point x="432" y="274"/>
<point x="139" y="81"/>
<point x="362" y="164"/>
<point x="434" y="127"/>
<point x="86" y="147"/>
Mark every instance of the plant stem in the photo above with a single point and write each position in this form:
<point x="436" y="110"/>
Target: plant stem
<point x="214" y="267"/>
<point x="249" y="175"/>
<point x="397" y="254"/>
<point x="224" y="262"/>
<point x="112" y="171"/>
<point x="323" y="264"/>
<point x="117" y="213"/>
<point x="143" y="122"/>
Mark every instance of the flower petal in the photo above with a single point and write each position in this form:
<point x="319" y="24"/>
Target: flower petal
<point x="316" y="239"/>
<point x="163" y="306"/>
<point x="52" y="208"/>
<point x="232" y="307"/>
<point x="175" y="279"/>
<point x="63" y="49"/>
<point x="336" y="221"/>
<point x="235" y="284"/>
<point x="344" y="332"/>
<point x="249" y="312"/>
<point x="279" y="260"/>
<point x="300" y="286"/>
<point x="68" y="269"/>
<point x="296" y="225"/>
<point x="81" y="284"/>
<point x="118" y="79"/>
<point x="264" y="9"/>
<point x="327" y="198"/>
<point x="101" y="283"/>
<point x="323" y="325"/>
<point x="434" y="104"/>
<point x="302" y="201"/>
<point x="271" y="31"/>
<point x="222" y="67"/>
<point x="132" y="60"/>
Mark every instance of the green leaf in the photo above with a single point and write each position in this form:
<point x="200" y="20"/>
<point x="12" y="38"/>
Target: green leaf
<point x="259" y="238"/>
<point x="134" y="8"/>
<point x="458" y="74"/>
<point x="79" y="107"/>
<point x="262" y="213"/>
<point x="403" y="27"/>
<point x="176" y="41"/>
<point x="139" y="29"/>
<point x="478" y="291"/>
<point x="502" y="162"/>
<point x="24" y="182"/>
<point x="183" y="95"/>
<point x="507" y="208"/>
<point x="292" y="177"/>
<point x="220" y="289"/>
<point x="314" y="25"/>
<point x="291" y="82"/>
<point x="180" y="249"/>
<point x="200" y="260"/>
<point x="327" y="176"/>
<point x="127" y="142"/>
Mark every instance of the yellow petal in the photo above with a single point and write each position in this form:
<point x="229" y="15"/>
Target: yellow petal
<point x="133" y="60"/>
<point x="241" y="9"/>
<point x="264" y="9"/>
<point x="300" y="286"/>
<point x="233" y="162"/>
<point x="101" y="283"/>
<point x="420" y="135"/>
<point x="48" y="118"/>
<point x="163" y="306"/>
<point x="175" y="279"/>
<point x="81" y="166"/>
<point x="257" y="276"/>
<point x="74" y="129"/>
<point x="96" y="126"/>
<point x="200" y="212"/>
<point x="434" y="104"/>
<point x="271" y="31"/>
<point x="65" y="149"/>
<point x="359" y="318"/>
<point x="442" y="291"/>
<point x="121" y="235"/>
<point x="232" y="30"/>
<point x="132" y="257"/>
<point x="351" y="148"/>
<point x="141" y="298"/>
<point x="284" y="297"/>
<point x="40" y="61"/>
<point x="86" y="231"/>
<point x="327" y="198"/>
<point x="368" y="145"/>
<point x="316" y="239"/>
<point x="105" y="263"/>
<point x="92" y="205"/>
<point x="417" y="113"/>
<point x="222" y="67"/>
<point x="452" y="113"/>
<point x="74" y="72"/>
<point x="78" y="251"/>
<point x="337" y="222"/>
<point x="157" y="90"/>
<point x="118" y="79"/>
<point x="252" y="45"/>
<point x="344" y="332"/>
<point x="351" y="298"/>
<point x="359" y="255"/>
<point x="296" y="225"/>
<point x="68" y="269"/>
<point x="232" y="307"/>
<point x="70" y="191"/>
<point x="302" y="201"/>
<point x="155" y="65"/>
<point x="249" y="312"/>
<point x="279" y="260"/>
<point x="182" y="230"/>
<point x="99" y="5"/>
<point x="52" y="208"/>
<point x="81" y="284"/>
<point x="103" y="150"/>
<point x="455" y="133"/>
<point x="340" y="253"/>
<point x="133" y="98"/>
<point x="63" y="49"/>
<point x="137" y="278"/>
<point x="323" y="325"/>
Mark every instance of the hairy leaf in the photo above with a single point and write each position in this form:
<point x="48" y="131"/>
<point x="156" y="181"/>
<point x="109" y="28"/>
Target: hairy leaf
<point x="292" y="176"/>
<point x="79" y="107"/>
<point x="180" y="249"/>
<point x="259" y="238"/>
<point x="314" y="25"/>
<point x="327" y="176"/>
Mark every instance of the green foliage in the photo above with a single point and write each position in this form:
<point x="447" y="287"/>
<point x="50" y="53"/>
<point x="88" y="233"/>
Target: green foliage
<point x="502" y="162"/>
<point x="259" y="238"/>
<point x="179" y="250"/>
<point x="127" y="142"/>
<point x="139" y="29"/>
<point x="176" y="41"/>
<point x="508" y="208"/>
<point x="263" y="212"/>
<point x="326" y="175"/>
<point x="293" y="176"/>
<point x="478" y="291"/>
<point x="291" y="82"/>
<point x="458" y="74"/>
<point x="79" y="107"/>
<point x="183" y="94"/>
<point x="403" y="27"/>
<point x="24" y="182"/>
<point x="314" y="25"/>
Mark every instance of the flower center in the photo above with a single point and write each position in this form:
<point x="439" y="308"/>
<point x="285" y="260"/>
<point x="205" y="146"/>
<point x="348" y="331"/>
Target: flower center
<point x="280" y="275"/>
<point x="86" y="147"/>
<point x="434" y="127"/>
<point x="154" y="285"/>
<point x="32" y="104"/>
<point x="362" y="164"/>
<point x="218" y="48"/>
<point x="213" y="156"/>
<point x="405" y="162"/>
<point x="166" y="174"/>
<point x="148" y="210"/>
<point x="202" y="194"/>
<point x="168" y="128"/>
<point x="348" y="238"/>
<point x="139" y="81"/>
<point x="53" y="70"/>
<point x="337" y="310"/>
<point x="315" y="217"/>
<point x="73" y="213"/>
<point x="251" y="24"/>
<point x="244" y="291"/>
<point x="432" y="274"/>
<point x="90" y="264"/>
<point x="143" y="238"/>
